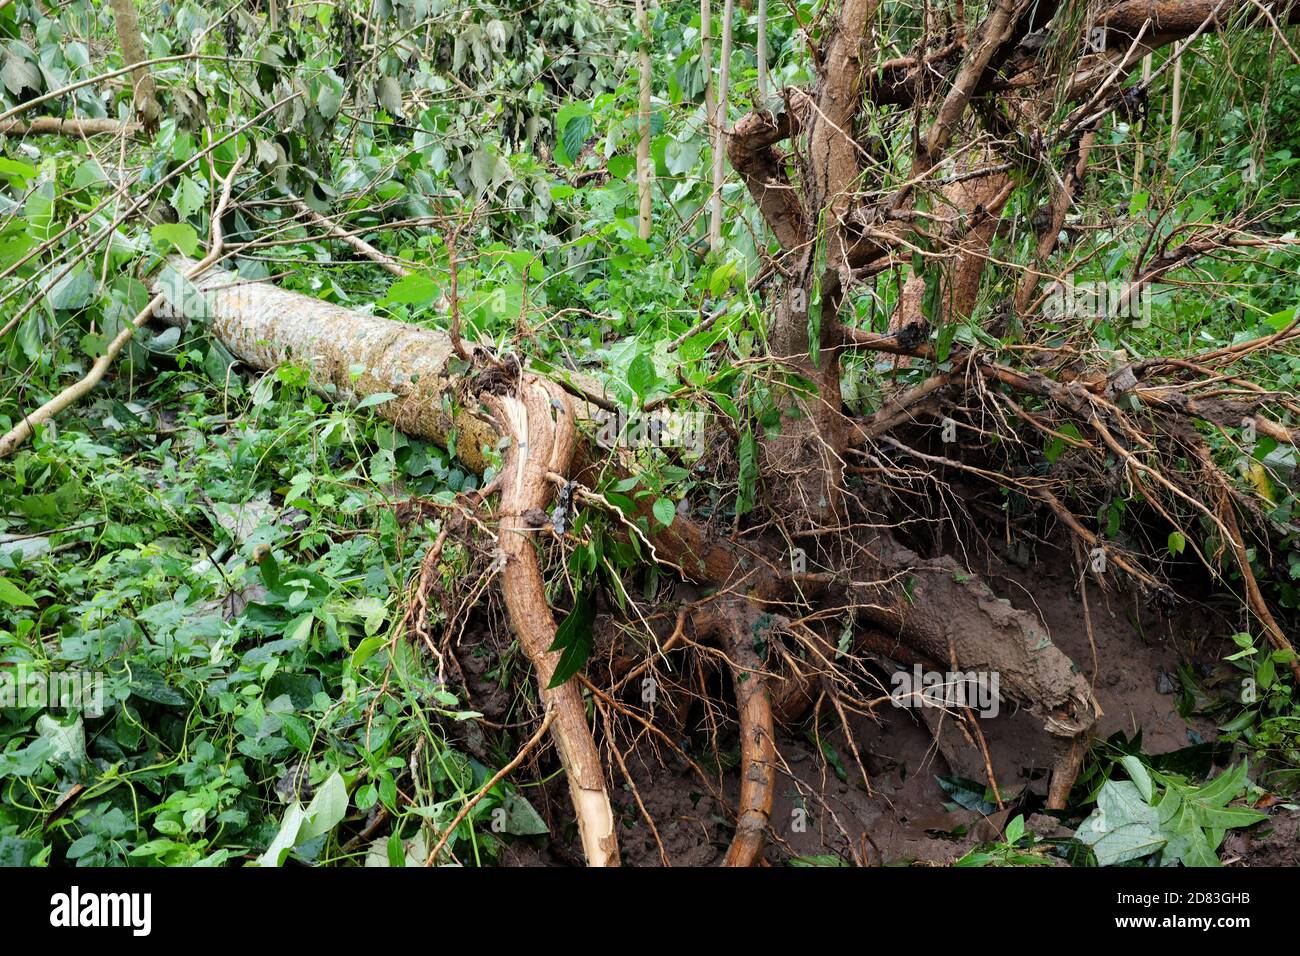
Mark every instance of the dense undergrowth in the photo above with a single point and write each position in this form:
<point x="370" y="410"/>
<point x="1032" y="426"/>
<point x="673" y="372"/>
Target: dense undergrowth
<point x="232" y="551"/>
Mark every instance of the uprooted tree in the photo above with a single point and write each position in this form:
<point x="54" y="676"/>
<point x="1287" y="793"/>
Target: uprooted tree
<point x="1001" y="105"/>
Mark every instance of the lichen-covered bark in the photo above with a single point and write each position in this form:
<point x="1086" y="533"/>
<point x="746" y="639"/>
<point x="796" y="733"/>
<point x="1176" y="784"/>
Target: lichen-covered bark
<point x="347" y="353"/>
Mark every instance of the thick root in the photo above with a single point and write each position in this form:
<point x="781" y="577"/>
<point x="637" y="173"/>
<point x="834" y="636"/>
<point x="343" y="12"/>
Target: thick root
<point x="540" y="422"/>
<point x="741" y="629"/>
<point x="947" y="613"/>
<point x="1066" y="772"/>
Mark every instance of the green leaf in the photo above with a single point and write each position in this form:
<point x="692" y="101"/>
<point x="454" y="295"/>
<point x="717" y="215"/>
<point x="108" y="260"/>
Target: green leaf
<point x="188" y="197"/>
<point x="16" y="171"/>
<point x="747" y="487"/>
<point x="1176" y="543"/>
<point x="76" y="290"/>
<point x="665" y="511"/>
<point x="389" y="94"/>
<point x="39" y="212"/>
<point x="67" y="737"/>
<point x="697" y="346"/>
<point x="721" y="278"/>
<point x="14" y="249"/>
<point x="573" y="638"/>
<point x="641" y="375"/>
<point x="396" y="853"/>
<point x="326" y="810"/>
<point x="968" y="794"/>
<point x="148" y="684"/>
<point x="521" y="818"/>
<point x="19" y="74"/>
<point x="1132" y="841"/>
<point x="576" y="132"/>
<point x="286" y="838"/>
<point x="562" y="118"/>
<point x="183" y="297"/>
<point x="25" y="762"/>
<point x="378" y="398"/>
<point x="76" y="54"/>
<point x="943" y="346"/>
<point x="1280" y="320"/>
<point x="89" y="173"/>
<point x="1137" y="772"/>
<point x="414" y="289"/>
<point x="681" y="158"/>
<point x="1124" y="826"/>
<point x="12" y="595"/>
<point x="621" y="167"/>
<point x="330" y="95"/>
<point x="178" y="235"/>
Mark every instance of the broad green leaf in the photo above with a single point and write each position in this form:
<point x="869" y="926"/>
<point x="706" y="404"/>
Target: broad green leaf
<point x="576" y="132"/>
<point x="641" y="376"/>
<point x="521" y="818"/>
<point x="414" y="289"/>
<point x="1124" y="826"/>
<point x="67" y="737"/>
<point x="329" y="97"/>
<point x="1137" y="772"/>
<point x="89" y="173"/>
<point x="564" y="118"/>
<point x="188" y="197"/>
<point x="681" y="157"/>
<point x="19" y="74"/>
<point x="665" y="511"/>
<point x="1176" y="543"/>
<point x="747" y="489"/>
<point x="39" y="212"/>
<point x="327" y="808"/>
<point x="76" y="290"/>
<point x="178" y="235"/>
<point x="16" y="171"/>
<point x="621" y="167"/>
<point x="389" y="94"/>
<point x="1131" y="841"/>
<point x="377" y="398"/>
<point x="14" y="596"/>
<point x="286" y="838"/>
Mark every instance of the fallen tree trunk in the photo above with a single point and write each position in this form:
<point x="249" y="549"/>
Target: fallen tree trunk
<point x="57" y="126"/>
<point x="347" y="353"/>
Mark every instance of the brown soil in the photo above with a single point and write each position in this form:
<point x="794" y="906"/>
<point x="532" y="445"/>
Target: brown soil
<point x="822" y="808"/>
<point x="1274" y="842"/>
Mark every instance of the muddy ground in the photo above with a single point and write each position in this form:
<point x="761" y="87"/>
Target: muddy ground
<point x="823" y="807"/>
